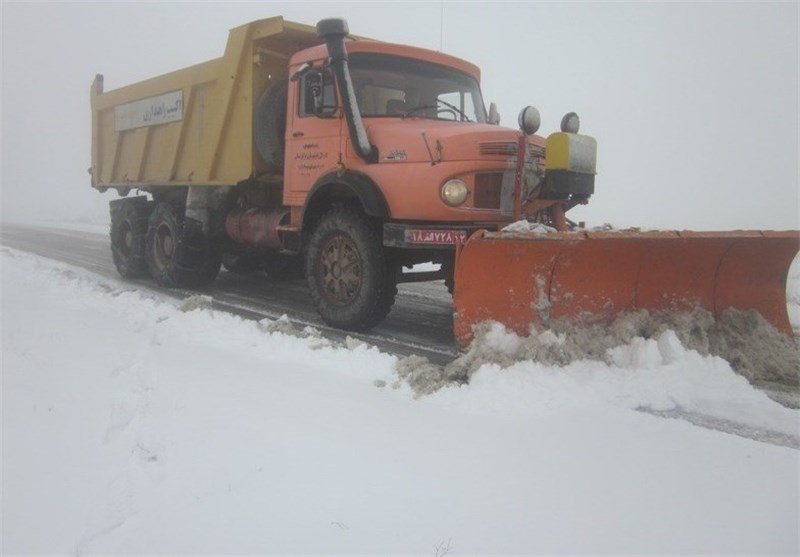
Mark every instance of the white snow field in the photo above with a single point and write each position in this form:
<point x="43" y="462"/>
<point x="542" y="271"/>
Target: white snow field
<point x="131" y="426"/>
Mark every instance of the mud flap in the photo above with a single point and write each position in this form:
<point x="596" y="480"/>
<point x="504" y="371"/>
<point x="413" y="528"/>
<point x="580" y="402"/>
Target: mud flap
<point x="524" y="279"/>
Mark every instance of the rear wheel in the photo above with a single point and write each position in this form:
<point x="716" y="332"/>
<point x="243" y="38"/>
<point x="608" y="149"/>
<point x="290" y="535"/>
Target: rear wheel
<point x="128" y="235"/>
<point x="351" y="281"/>
<point x="175" y="257"/>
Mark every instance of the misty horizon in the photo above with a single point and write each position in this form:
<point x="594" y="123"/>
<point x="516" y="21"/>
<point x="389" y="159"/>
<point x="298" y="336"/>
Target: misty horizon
<point x="694" y="107"/>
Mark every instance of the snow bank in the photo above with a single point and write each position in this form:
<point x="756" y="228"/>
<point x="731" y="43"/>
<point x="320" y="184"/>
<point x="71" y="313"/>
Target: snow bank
<point x="681" y="361"/>
<point x="743" y="338"/>
<point x="131" y="426"/>
<point x="613" y="365"/>
<point x="671" y="343"/>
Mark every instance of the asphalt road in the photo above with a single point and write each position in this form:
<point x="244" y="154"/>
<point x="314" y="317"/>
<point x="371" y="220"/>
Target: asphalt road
<point x="421" y="321"/>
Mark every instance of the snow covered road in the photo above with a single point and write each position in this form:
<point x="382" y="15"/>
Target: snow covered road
<point x="130" y="426"/>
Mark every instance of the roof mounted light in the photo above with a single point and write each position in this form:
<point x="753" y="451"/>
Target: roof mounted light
<point x="529" y="120"/>
<point x="570" y="123"/>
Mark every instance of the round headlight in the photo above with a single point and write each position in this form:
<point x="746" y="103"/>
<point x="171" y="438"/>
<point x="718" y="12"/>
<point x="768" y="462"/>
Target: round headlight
<point x="454" y="192"/>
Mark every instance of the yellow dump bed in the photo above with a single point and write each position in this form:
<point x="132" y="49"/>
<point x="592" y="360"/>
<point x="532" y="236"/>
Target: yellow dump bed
<point x="192" y="126"/>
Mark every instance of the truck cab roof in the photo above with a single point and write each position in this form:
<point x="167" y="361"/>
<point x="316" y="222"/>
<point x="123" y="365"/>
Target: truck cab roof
<point x="377" y="47"/>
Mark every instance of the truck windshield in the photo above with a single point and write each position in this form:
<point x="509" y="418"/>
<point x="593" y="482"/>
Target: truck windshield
<point x="404" y="87"/>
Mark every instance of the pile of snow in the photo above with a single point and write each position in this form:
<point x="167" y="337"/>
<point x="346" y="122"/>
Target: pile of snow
<point x="538" y="228"/>
<point x="751" y="345"/>
<point x="131" y="425"/>
<point x="597" y="365"/>
<point x="523" y="225"/>
<point x="656" y="374"/>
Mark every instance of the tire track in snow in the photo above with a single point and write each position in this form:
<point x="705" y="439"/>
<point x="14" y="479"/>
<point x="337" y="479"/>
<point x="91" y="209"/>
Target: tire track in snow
<point x="128" y="430"/>
<point x="762" y="435"/>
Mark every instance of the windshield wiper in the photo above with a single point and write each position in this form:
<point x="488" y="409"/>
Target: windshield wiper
<point x="427" y="106"/>
<point x="454" y="108"/>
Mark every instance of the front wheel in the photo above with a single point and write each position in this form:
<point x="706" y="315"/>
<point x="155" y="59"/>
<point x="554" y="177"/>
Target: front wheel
<point x="352" y="284"/>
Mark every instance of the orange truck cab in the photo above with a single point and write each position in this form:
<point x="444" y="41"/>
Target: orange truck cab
<point x="369" y="157"/>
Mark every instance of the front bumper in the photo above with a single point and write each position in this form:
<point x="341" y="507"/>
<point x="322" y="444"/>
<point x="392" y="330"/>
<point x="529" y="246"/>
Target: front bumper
<point x="429" y="236"/>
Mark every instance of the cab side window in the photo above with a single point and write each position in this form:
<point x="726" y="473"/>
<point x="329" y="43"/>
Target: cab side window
<point x="317" y="94"/>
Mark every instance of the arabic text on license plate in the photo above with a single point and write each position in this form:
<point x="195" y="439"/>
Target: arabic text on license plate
<point x="435" y="236"/>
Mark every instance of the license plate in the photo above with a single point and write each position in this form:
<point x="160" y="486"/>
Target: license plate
<point x="444" y="237"/>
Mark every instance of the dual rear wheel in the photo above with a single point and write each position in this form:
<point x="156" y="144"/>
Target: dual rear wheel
<point x="149" y="238"/>
<point x="129" y="234"/>
<point x="351" y="278"/>
<point x="176" y="255"/>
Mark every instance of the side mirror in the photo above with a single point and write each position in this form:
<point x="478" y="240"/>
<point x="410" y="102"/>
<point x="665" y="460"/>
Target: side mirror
<point x="494" y="116"/>
<point x="529" y="120"/>
<point x="314" y="89"/>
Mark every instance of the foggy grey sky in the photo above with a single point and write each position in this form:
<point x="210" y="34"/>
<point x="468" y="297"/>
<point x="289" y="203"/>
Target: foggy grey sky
<point x="694" y="106"/>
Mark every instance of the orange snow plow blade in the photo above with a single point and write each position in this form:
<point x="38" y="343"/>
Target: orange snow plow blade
<point x="521" y="279"/>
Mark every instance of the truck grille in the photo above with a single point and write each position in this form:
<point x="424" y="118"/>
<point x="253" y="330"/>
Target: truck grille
<point x="487" y="190"/>
<point x="507" y="149"/>
<point x="498" y="148"/>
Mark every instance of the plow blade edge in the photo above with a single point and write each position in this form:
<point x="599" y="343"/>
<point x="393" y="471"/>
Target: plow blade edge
<point x="524" y="279"/>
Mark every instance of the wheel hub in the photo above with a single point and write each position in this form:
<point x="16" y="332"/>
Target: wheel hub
<point x="169" y="246"/>
<point x="128" y="239"/>
<point x="340" y="270"/>
<point x="165" y="246"/>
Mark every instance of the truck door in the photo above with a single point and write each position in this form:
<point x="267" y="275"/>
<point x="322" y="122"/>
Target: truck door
<point x="313" y="134"/>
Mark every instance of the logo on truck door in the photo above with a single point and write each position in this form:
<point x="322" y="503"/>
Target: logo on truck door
<point x="149" y="112"/>
<point x="395" y="155"/>
<point x="310" y="158"/>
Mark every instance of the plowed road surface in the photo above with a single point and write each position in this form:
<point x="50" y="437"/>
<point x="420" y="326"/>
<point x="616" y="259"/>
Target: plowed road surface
<point x="421" y="321"/>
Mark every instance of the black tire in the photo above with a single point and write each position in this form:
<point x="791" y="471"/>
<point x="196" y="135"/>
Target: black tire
<point x="128" y="235"/>
<point x="282" y="267"/>
<point x="175" y="257"/>
<point x="269" y="125"/>
<point x="344" y="237"/>
<point x="241" y="264"/>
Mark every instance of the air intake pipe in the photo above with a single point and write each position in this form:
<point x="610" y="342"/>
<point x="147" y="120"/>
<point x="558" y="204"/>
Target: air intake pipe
<point x="333" y="31"/>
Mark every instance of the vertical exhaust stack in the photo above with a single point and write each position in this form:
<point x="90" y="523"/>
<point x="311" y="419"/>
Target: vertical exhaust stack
<point x="333" y="31"/>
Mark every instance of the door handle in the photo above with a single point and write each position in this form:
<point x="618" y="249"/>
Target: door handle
<point x="298" y="134"/>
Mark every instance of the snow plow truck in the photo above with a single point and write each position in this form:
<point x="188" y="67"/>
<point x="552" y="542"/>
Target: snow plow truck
<point x="308" y="151"/>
